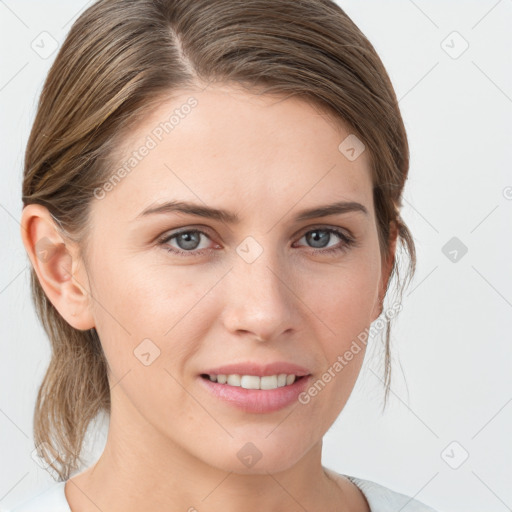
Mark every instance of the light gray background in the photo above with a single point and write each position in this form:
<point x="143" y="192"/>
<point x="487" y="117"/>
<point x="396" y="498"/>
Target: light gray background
<point x="452" y="342"/>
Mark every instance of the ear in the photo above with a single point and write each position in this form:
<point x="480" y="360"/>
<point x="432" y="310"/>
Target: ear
<point x="58" y="267"/>
<point x="386" y="269"/>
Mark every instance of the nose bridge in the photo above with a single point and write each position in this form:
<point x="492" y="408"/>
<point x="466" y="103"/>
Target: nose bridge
<point x="258" y="299"/>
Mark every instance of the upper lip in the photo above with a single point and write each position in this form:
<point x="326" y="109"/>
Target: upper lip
<point x="260" y="370"/>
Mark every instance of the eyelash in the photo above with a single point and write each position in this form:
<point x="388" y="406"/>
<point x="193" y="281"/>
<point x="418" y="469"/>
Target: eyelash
<point x="347" y="242"/>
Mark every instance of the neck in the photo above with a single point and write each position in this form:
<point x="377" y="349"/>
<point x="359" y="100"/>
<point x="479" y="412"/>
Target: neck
<point x="124" y="482"/>
<point x="141" y="471"/>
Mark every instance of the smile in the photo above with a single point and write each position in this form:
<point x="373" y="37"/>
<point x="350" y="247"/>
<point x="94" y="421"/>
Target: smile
<point x="254" y="394"/>
<point x="266" y="382"/>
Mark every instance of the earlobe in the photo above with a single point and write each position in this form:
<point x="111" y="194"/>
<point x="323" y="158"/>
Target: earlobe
<point x="57" y="265"/>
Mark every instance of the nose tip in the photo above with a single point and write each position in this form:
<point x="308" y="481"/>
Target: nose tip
<point x="258" y="302"/>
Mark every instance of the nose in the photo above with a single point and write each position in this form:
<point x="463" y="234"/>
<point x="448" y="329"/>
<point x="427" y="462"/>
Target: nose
<point x="259" y="300"/>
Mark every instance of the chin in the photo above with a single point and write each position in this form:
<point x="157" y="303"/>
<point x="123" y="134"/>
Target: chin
<point x="259" y="454"/>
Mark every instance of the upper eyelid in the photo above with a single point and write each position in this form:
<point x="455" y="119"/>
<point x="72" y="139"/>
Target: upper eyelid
<point x="171" y="234"/>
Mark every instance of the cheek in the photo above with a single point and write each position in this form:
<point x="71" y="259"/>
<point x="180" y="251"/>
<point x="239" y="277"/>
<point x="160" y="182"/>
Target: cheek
<point x="345" y="298"/>
<point x="343" y="306"/>
<point x="138" y="296"/>
<point x="137" y="300"/>
<point x="141" y="319"/>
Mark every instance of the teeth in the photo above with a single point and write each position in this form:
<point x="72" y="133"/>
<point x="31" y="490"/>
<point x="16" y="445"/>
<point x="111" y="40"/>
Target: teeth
<point x="253" y="381"/>
<point x="234" y="380"/>
<point x="268" y="382"/>
<point x="250" y="382"/>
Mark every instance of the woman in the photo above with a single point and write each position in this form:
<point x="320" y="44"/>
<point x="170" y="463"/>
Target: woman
<point x="211" y="210"/>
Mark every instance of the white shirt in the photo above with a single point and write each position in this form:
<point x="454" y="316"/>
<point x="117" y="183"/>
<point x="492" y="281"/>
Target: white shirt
<point x="380" y="499"/>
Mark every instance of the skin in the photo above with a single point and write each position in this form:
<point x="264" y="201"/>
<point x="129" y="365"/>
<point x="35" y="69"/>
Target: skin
<point x="171" y="445"/>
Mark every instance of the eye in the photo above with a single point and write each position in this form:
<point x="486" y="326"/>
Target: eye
<point x="320" y="237"/>
<point x="188" y="242"/>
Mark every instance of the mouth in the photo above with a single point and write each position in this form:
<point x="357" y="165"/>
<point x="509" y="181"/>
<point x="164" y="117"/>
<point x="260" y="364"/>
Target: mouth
<point x="265" y="382"/>
<point x="255" y="388"/>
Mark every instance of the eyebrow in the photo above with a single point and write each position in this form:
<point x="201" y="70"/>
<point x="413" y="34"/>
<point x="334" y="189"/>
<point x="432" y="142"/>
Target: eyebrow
<point x="225" y="216"/>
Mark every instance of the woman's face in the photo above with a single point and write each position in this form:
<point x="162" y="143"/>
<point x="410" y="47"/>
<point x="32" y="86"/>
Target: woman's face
<point x="268" y="289"/>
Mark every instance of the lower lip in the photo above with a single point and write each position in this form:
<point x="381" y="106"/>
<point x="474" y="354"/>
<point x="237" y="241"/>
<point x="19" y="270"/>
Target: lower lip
<point x="257" y="400"/>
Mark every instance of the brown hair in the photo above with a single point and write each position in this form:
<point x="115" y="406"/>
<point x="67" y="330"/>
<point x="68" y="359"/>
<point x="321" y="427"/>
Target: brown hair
<point x="120" y="58"/>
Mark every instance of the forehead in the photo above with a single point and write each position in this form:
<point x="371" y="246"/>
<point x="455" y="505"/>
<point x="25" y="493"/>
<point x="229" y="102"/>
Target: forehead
<point x="227" y="147"/>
